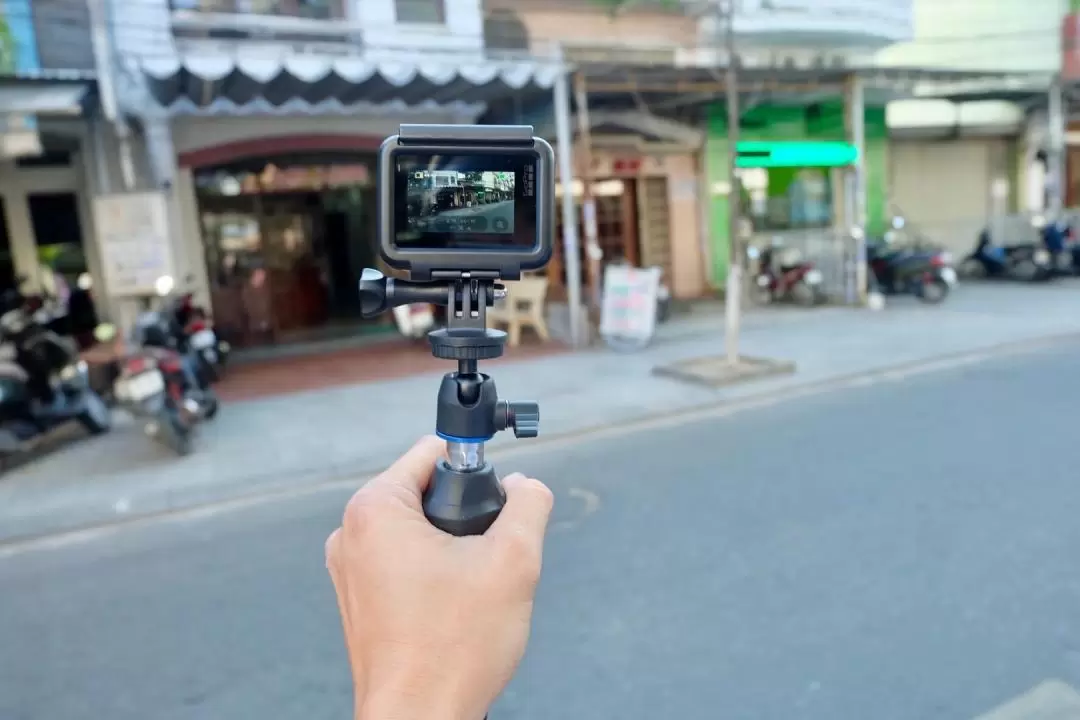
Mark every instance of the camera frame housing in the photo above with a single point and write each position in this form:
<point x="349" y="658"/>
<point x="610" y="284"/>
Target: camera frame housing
<point x="425" y="265"/>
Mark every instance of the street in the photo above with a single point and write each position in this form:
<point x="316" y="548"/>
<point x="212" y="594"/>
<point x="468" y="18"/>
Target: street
<point x="905" y="550"/>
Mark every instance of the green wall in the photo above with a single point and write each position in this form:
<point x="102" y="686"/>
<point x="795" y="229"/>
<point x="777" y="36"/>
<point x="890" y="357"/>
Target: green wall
<point x="775" y="123"/>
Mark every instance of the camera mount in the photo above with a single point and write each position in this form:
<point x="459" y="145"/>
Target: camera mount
<point x="465" y="495"/>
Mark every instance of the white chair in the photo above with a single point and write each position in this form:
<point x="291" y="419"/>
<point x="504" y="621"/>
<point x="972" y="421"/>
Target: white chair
<point x="524" y="306"/>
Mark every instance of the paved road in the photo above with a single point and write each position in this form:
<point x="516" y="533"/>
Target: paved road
<point x="904" y="551"/>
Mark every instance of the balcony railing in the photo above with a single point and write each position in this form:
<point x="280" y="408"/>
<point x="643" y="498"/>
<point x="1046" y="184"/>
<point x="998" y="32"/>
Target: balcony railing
<point x="309" y="9"/>
<point x="299" y="26"/>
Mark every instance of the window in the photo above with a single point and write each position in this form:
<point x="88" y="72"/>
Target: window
<point x="421" y="11"/>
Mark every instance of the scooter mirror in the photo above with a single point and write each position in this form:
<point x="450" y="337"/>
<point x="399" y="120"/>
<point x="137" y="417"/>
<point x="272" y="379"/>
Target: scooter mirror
<point x="105" y="332"/>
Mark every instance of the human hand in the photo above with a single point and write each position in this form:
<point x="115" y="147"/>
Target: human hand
<point x="435" y="625"/>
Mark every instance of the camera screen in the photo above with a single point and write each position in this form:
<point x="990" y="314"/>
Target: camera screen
<point x="477" y="201"/>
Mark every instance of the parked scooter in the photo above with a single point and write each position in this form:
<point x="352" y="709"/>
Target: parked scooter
<point x="787" y="277"/>
<point x="176" y="326"/>
<point x="1026" y="262"/>
<point x="44" y="385"/>
<point x="202" y="335"/>
<point x="926" y="273"/>
<point x="159" y="382"/>
<point x="1058" y="240"/>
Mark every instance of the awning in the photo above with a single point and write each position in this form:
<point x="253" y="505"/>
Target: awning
<point x="610" y="85"/>
<point x="219" y="84"/>
<point x="44" y="100"/>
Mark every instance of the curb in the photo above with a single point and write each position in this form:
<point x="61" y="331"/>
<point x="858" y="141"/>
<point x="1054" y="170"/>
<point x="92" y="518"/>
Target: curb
<point x="338" y="477"/>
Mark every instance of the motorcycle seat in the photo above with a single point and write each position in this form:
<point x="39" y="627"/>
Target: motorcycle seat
<point x="11" y="369"/>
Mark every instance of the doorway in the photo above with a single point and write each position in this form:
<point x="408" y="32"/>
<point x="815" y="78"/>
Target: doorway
<point x="58" y="235"/>
<point x="617" y="230"/>
<point x="285" y="266"/>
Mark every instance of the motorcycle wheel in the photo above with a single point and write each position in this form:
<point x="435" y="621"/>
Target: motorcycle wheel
<point x="804" y="295"/>
<point x="933" y="292"/>
<point x="971" y="268"/>
<point x="1027" y="270"/>
<point x="96" y="417"/>
<point x="174" y="433"/>
<point x="761" y="295"/>
<point x="212" y="403"/>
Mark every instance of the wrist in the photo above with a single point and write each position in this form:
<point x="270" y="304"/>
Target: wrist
<point x="398" y="704"/>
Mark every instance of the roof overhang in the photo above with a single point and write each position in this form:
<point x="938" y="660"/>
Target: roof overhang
<point x="219" y="84"/>
<point x="670" y="86"/>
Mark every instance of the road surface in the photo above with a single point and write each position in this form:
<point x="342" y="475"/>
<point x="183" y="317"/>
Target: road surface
<point x="901" y="551"/>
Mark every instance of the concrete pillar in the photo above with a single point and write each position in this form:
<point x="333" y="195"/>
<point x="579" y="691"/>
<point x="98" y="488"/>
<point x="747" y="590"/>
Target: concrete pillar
<point x="1056" y="121"/>
<point x="164" y="176"/>
<point x="855" y="125"/>
<point x="21" y="234"/>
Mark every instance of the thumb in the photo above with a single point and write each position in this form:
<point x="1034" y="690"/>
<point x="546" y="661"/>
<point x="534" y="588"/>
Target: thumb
<point x="525" y="515"/>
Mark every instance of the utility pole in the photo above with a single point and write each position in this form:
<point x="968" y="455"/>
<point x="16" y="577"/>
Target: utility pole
<point x="733" y="286"/>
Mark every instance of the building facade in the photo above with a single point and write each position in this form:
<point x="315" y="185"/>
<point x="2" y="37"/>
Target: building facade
<point x="47" y="142"/>
<point x="261" y="121"/>
<point x="990" y="142"/>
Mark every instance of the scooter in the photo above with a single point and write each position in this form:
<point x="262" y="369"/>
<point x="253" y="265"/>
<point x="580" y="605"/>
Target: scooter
<point x="927" y="274"/>
<point x="788" y="278"/>
<point x="1026" y="262"/>
<point x="202" y="335"/>
<point x="44" y="386"/>
<point x="159" y="382"/>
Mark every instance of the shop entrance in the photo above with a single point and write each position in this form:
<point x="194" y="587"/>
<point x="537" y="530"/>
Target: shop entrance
<point x="285" y="244"/>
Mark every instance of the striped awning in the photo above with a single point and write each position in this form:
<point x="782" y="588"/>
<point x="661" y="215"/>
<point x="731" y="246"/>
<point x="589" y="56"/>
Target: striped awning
<point x="227" y="85"/>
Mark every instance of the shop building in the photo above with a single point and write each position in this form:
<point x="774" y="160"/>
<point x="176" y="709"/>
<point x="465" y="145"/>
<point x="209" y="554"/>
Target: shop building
<point x="263" y="129"/>
<point x="49" y="146"/>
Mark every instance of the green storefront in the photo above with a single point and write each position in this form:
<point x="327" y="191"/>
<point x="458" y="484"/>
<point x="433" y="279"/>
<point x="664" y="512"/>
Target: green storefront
<point x="770" y="123"/>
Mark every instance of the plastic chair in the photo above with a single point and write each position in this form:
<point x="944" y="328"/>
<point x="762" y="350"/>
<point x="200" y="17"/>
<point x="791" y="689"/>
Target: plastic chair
<point x="524" y="306"/>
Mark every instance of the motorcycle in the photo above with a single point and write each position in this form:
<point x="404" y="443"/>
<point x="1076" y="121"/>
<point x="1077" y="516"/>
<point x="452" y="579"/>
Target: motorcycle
<point x="787" y="278"/>
<point x="926" y="273"/>
<point x="159" y="383"/>
<point x="174" y="326"/>
<point x="1026" y="261"/>
<point x="202" y="336"/>
<point x="45" y="386"/>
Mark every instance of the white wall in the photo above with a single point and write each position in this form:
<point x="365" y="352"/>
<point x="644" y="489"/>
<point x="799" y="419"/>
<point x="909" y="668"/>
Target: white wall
<point x="463" y="31"/>
<point x="143" y="28"/>
<point x="1014" y="35"/>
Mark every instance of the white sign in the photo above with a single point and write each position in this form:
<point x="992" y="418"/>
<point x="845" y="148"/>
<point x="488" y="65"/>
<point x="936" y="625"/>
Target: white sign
<point x="133" y="234"/>
<point x="588" y="212"/>
<point x="629" y="303"/>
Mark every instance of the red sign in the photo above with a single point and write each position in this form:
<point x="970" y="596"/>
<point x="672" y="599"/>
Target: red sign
<point x="1070" y="47"/>
<point x="626" y="166"/>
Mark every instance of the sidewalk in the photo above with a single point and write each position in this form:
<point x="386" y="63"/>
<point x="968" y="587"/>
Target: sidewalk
<point x="275" y="443"/>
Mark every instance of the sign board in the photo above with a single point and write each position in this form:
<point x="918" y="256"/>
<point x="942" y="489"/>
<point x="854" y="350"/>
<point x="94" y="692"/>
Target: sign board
<point x="133" y="235"/>
<point x="628" y="308"/>
<point x="19" y="136"/>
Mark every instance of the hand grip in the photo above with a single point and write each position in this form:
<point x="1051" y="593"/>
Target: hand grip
<point x="463" y="502"/>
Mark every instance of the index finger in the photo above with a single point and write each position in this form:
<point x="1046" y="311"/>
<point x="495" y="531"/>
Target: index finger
<point x="411" y="473"/>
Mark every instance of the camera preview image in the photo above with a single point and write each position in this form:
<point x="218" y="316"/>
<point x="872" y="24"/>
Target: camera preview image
<point x="454" y="201"/>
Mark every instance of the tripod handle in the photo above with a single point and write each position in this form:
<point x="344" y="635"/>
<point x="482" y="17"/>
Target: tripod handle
<point x="463" y="502"/>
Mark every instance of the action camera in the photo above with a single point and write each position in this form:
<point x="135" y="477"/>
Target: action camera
<point x="475" y="199"/>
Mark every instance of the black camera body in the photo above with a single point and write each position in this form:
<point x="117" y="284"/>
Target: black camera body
<point x="466" y="201"/>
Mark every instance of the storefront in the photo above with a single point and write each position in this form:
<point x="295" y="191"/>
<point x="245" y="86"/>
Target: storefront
<point x="46" y="228"/>
<point x="272" y="178"/>
<point x="806" y="195"/>
<point x="285" y="240"/>
<point x="645" y="193"/>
